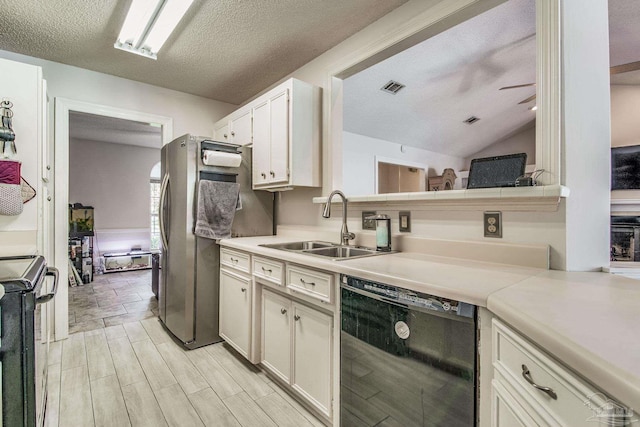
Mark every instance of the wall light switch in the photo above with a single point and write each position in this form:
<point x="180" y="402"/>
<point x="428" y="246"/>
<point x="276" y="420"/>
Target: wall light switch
<point x="368" y="224"/>
<point x="404" y="220"/>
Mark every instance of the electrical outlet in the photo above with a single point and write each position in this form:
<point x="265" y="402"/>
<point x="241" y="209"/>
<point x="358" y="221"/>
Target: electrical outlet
<point x="404" y="221"/>
<point x="493" y="224"/>
<point x="368" y="224"/>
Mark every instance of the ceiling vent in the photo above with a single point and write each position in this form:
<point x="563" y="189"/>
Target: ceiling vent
<point x="471" y="120"/>
<point x="392" y="87"/>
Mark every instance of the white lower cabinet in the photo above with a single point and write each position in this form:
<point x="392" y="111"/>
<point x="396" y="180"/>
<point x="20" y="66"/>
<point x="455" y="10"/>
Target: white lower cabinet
<point x="235" y="310"/>
<point x="276" y="334"/>
<point x="531" y="388"/>
<point x="297" y="346"/>
<point x="312" y="352"/>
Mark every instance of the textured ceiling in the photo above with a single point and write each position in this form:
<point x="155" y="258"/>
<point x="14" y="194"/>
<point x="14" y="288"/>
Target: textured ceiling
<point x="92" y="127"/>
<point x="457" y="74"/>
<point x="228" y="50"/>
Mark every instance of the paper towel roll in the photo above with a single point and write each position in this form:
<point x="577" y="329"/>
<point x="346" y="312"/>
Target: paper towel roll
<point x="220" y="158"/>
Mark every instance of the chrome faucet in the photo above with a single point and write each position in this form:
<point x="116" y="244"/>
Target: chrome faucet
<point x="345" y="236"/>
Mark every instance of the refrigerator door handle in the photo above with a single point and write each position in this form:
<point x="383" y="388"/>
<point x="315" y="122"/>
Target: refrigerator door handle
<point x="163" y="193"/>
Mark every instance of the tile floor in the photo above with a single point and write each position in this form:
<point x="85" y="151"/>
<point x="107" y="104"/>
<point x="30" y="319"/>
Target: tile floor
<point x="111" y="299"/>
<point x="134" y="374"/>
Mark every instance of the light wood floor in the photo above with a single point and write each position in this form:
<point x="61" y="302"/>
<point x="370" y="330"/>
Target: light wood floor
<point x="134" y="374"/>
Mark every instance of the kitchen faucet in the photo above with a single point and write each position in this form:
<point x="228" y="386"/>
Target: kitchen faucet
<point x="345" y="236"/>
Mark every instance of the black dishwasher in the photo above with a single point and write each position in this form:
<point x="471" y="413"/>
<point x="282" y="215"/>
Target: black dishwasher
<point x="406" y="358"/>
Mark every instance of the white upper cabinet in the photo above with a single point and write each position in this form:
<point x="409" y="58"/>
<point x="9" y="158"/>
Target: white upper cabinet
<point x="284" y="126"/>
<point x="240" y="128"/>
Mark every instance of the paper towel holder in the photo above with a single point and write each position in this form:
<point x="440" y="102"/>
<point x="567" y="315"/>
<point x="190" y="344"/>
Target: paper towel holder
<point x="226" y="147"/>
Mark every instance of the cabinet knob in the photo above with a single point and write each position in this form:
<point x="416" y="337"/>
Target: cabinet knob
<point x="272" y="173"/>
<point x="48" y="198"/>
<point x="233" y="133"/>
<point x="283" y="310"/>
<point x="225" y="136"/>
<point x="243" y="289"/>
<point x="264" y="175"/>
<point x="48" y="167"/>
<point x="296" y="317"/>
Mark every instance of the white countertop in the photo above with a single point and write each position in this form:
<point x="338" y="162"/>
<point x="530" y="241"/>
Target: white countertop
<point x="462" y="280"/>
<point x="589" y="321"/>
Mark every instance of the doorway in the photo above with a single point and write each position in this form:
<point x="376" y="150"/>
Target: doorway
<point x="64" y="108"/>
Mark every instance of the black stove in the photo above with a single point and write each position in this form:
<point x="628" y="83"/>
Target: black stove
<point x="24" y="347"/>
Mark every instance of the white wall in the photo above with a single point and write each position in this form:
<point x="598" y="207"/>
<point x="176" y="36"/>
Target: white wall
<point x="191" y="114"/>
<point x="625" y="113"/>
<point x="523" y="141"/>
<point x="20" y="84"/>
<point x="586" y="146"/>
<point x="114" y="179"/>
<point x="359" y="153"/>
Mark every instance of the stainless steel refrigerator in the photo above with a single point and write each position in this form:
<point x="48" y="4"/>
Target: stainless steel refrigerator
<point x="188" y="292"/>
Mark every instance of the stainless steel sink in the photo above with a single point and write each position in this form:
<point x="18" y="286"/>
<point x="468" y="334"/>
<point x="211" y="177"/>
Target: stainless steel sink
<point x="299" y="246"/>
<point x="343" y="252"/>
<point x="332" y="251"/>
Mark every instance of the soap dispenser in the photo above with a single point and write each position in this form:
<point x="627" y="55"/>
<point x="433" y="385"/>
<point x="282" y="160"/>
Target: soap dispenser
<point x="383" y="232"/>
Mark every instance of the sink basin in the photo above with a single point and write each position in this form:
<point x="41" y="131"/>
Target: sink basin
<point x="299" y="246"/>
<point x="343" y="252"/>
<point x="332" y="251"/>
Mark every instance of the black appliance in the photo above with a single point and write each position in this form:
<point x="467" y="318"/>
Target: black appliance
<point x="406" y="358"/>
<point x="497" y="171"/>
<point x="24" y="348"/>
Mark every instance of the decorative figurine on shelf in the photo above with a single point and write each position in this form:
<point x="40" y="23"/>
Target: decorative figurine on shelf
<point x="7" y="135"/>
<point x="445" y="181"/>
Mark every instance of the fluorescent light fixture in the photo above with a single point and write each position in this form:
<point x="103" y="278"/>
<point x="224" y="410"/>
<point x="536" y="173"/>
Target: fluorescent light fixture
<point x="148" y="25"/>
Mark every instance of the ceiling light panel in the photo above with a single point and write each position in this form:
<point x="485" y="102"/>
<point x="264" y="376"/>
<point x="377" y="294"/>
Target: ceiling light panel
<point x="149" y="24"/>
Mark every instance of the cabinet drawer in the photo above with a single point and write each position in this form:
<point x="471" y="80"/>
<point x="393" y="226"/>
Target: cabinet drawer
<point x="268" y="269"/>
<point x="513" y="356"/>
<point x="233" y="259"/>
<point x="310" y="282"/>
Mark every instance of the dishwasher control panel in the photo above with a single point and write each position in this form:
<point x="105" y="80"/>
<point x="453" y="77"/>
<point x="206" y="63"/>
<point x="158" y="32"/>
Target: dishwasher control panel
<point x="408" y="297"/>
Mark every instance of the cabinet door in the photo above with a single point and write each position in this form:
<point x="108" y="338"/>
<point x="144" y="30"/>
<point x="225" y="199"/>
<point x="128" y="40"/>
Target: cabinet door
<point x="279" y="110"/>
<point x="276" y="334"/>
<point x="240" y="128"/>
<point x="261" y="144"/>
<point x="506" y="412"/>
<point x="222" y="133"/>
<point x="235" y="311"/>
<point x="312" y="348"/>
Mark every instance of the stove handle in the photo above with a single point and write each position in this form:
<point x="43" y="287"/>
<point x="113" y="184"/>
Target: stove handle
<point x="51" y="271"/>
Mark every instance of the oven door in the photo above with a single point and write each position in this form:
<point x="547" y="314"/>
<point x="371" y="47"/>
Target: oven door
<point x="42" y="334"/>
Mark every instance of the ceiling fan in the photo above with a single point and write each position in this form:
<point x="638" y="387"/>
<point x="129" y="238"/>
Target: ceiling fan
<point x="618" y="69"/>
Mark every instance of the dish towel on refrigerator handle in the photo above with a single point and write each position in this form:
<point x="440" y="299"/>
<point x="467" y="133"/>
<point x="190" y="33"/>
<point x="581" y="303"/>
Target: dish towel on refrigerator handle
<point x="216" y="208"/>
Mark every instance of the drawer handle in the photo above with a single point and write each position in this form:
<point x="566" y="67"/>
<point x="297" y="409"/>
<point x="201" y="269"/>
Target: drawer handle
<point x="304" y="282"/>
<point x="283" y="310"/>
<point x="243" y="289"/>
<point x="234" y="260"/>
<point x="264" y="270"/>
<point x="527" y="376"/>
<point x="296" y="317"/>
